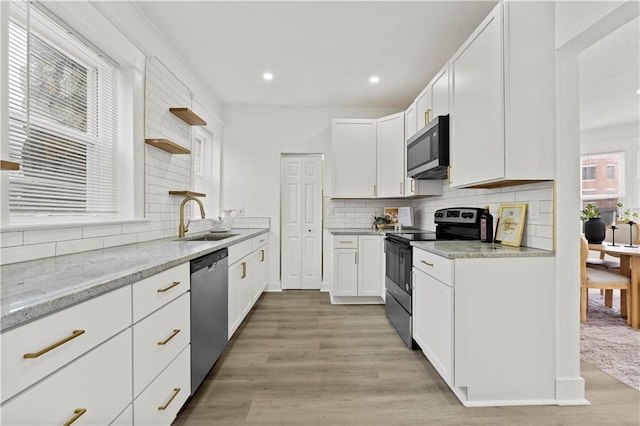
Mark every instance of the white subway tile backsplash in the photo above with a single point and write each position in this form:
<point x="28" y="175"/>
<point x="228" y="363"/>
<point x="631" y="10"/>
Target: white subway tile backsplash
<point x="11" y="238"/>
<point x="120" y="240"/>
<point x="101" y="231"/>
<point x="51" y="235"/>
<point x="24" y="253"/>
<point x="76" y="246"/>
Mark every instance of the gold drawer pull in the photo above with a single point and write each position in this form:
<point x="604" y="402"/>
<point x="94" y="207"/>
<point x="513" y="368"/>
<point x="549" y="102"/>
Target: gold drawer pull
<point x="76" y="415"/>
<point x="346" y="242"/>
<point x="175" y="393"/>
<point x="427" y="263"/>
<point x="162" y="290"/>
<point x="244" y="269"/>
<point x="74" y="334"/>
<point x="164" y="342"/>
<point x="261" y="255"/>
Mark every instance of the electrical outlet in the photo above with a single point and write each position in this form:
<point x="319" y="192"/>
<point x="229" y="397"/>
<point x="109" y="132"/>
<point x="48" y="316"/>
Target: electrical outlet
<point x="241" y="211"/>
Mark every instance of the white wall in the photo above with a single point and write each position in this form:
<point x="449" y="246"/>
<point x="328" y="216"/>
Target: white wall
<point x="254" y="138"/>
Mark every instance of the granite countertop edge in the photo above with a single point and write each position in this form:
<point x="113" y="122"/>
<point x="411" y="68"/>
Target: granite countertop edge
<point x="27" y="293"/>
<point x="476" y="249"/>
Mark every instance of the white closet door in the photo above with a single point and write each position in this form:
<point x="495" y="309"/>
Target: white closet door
<point x="301" y="192"/>
<point x="312" y="223"/>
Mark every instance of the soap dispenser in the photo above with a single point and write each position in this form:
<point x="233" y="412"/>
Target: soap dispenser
<point x="486" y="226"/>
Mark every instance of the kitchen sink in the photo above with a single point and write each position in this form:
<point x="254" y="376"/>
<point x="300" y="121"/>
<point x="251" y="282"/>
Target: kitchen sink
<point x="212" y="237"/>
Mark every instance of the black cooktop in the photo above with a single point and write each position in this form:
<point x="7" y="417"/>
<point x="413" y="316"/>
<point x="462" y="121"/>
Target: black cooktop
<point x="411" y="236"/>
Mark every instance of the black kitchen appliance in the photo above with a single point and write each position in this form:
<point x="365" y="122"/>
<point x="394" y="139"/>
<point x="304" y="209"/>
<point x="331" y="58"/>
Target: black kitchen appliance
<point x="459" y="223"/>
<point x="428" y="150"/>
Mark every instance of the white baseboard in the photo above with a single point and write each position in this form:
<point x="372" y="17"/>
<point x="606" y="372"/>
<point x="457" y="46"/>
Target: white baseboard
<point x="571" y="391"/>
<point x="274" y="287"/>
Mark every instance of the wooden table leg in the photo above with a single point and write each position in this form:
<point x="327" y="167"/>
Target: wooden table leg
<point x="625" y="269"/>
<point x="635" y="291"/>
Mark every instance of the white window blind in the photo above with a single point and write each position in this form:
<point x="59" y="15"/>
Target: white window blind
<point x="62" y="120"/>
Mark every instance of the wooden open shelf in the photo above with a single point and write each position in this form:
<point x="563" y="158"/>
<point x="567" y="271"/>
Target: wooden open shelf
<point x="9" y="165"/>
<point x="168" y="145"/>
<point x="188" y="116"/>
<point x="187" y="193"/>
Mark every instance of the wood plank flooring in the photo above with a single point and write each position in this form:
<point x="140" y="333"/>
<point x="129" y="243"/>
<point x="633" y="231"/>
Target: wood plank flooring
<point x="298" y="360"/>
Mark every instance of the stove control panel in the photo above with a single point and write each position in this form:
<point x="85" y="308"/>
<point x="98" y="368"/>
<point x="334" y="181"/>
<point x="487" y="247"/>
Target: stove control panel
<point x="468" y="215"/>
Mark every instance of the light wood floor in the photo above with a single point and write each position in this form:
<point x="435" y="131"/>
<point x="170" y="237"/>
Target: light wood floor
<point x="298" y="360"/>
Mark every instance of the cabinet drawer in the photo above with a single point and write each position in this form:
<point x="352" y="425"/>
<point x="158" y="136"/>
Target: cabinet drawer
<point x="160" y="402"/>
<point x="149" y="356"/>
<point x="345" y="241"/>
<point x="158" y="290"/>
<point x="239" y="250"/>
<point x="125" y="418"/>
<point x="98" y="382"/>
<point x="438" y="267"/>
<point x="80" y="328"/>
<point x="259" y="241"/>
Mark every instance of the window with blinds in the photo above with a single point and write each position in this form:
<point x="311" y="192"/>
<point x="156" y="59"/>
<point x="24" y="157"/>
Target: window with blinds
<point x="62" y="120"/>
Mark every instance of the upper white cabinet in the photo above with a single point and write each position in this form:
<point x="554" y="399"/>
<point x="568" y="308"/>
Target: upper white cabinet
<point x="354" y="158"/>
<point x="502" y="98"/>
<point x="439" y="88"/>
<point x="423" y="109"/>
<point x="391" y="152"/>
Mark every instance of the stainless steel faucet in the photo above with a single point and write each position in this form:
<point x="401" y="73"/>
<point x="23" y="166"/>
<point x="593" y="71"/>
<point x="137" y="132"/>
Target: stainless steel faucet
<point x="183" y="229"/>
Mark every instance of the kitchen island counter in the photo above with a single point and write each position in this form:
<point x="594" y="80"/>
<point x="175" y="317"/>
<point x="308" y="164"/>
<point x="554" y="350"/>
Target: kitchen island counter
<point x="476" y="249"/>
<point x="33" y="289"/>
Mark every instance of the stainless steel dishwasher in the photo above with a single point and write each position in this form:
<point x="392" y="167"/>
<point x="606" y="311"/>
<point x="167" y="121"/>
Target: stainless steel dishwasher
<point x="209" y="330"/>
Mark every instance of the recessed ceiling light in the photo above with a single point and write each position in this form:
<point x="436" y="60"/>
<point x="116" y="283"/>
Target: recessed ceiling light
<point x="374" y="79"/>
<point x="267" y="76"/>
<point x="638" y="92"/>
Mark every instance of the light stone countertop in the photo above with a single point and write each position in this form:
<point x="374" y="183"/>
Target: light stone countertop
<point x="371" y="231"/>
<point x="33" y="289"/>
<point x="476" y="249"/>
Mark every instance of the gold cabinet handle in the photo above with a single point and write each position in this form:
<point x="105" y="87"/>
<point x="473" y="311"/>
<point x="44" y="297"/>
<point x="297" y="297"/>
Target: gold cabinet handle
<point x="401" y="187"/>
<point x="346" y="241"/>
<point x="176" y="391"/>
<point x="162" y="290"/>
<point x="77" y="413"/>
<point x="74" y="334"/>
<point x="164" y="342"/>
<point x="261" y="255"/>
<point x="244" y="269"/>
<point x="427" y="263"/>
<point x="426" y="116"/>
<point x="412" y="185"/>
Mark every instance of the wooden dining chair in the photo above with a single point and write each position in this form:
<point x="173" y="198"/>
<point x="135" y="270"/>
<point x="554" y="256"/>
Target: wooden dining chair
<point x="600" y="279"/>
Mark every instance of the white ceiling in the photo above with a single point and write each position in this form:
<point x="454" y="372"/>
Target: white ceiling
<point x="321" y="53"/>
<point x="609" y="79"/>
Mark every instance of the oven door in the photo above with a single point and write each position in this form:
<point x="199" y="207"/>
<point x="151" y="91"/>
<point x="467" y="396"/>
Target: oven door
<point x="398" y="265"/>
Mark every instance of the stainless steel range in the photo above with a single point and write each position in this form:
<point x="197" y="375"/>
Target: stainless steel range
<point x="459" y="223"/>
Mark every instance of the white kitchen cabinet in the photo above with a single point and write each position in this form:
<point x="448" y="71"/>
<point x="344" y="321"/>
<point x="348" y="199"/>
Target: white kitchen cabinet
<point x="502" y="99"/>
<point x="440" y="93"/>
<point x="158" y="339"/>
<point x="80" y="328"/>
<point x="391" y="170"/>
<point x="247" y="278"/>
<point x="354" y="158"/>
<point x="158" y="405"/>
<point x="433" y="321"/>
<point x="357" y="263"/>
<point x="493" y="340"/>
<point x="157" y="290"/>
<point x="423" y="108"/>
<point x="94" y="389"/>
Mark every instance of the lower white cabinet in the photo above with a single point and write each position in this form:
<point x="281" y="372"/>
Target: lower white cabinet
<point x="247" y="278"/>
<point x="487" y="325"/>
<point x="94" y="389"/>
<point x="358" y="266"/>
<point x="125" y="418"/>
<point x="433" y="321"/>
<point x="158" y="339"/>
<point x="160" y="402"/>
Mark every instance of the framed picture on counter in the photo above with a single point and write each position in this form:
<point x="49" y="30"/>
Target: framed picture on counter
<point x="510" y="224"/>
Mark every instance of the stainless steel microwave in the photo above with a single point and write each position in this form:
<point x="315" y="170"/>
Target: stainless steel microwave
<point x="428" y="150"/>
